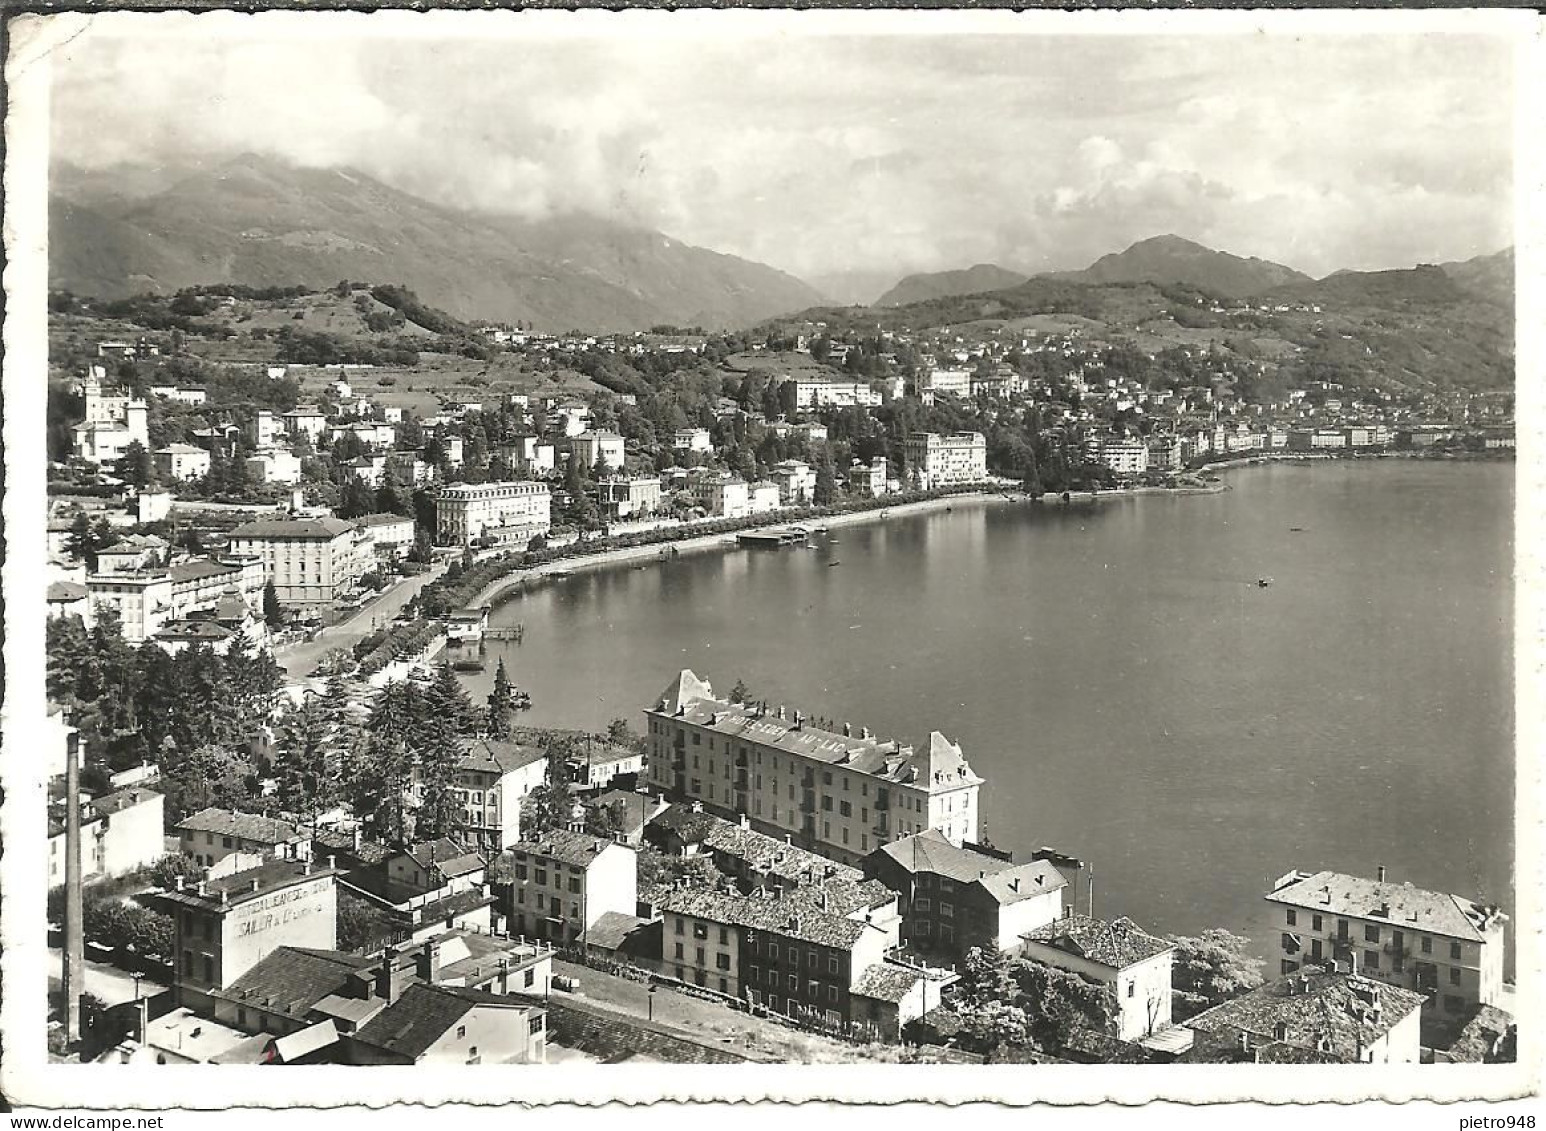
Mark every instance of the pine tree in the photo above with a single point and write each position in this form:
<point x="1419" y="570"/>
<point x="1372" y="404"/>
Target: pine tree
<point x="273" y="613"/>
<point x="548" y="805"/>
<point x="307" y="779"/>
<point x="447" y="699"/>
<point x="501" y="703"/>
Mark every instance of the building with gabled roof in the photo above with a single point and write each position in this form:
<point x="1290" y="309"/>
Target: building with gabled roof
<point x="452" y="1025"/>
<point x="210" y="835"/>
<point x="492" y="778"/>
<point x="954" y="897"/>
<point x="1446" y="947"/>
<point x="279" y="994"/>
<point x="853" y="791"/>
<point x="1314" y="1016"/>
<point x="1117" y="953"/>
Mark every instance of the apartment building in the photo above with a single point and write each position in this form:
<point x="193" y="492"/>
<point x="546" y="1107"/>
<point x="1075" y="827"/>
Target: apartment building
<point x="953" y="381"/>
<point x="564" y="881"/>
<point x="1165" y="453"/>
<point x="210" y="835"/>
<point x="389" y="534"/>
<point x="1446" y="947"/>
<point x="181" y="462"/>
<point x="595" y="448"/>
<point x="120" y="831"/>
<point x="796" y="482"/>
<point x="692" y="440"/>
<point x="721" y="495"/>
<point x="821" y="393"/>
<point x="304" y="420"/>
<point x="1125" y="458"/>
<point x="276" y="465"/>
<point x="507" y="511"/>
<point x="621" y="498"/>
<point x="492" y="778"/>
<point x="868" y="481"/>
<point x="938" y="460"/>
<point x="836" y="791"/>
<point x="311" y="561"/>
<point x="953" y="898"/>
<point x="223" y="927"/>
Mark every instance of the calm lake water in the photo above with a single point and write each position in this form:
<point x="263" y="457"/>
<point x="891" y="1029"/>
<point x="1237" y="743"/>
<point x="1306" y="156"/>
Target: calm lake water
<point x="1115" y="672"/>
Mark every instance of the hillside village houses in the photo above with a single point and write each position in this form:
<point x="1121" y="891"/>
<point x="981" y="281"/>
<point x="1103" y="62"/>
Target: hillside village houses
<point x="181" y="462"/>
<point x="1133" y="963"/>
<point x="562" y="882"/>
<point x="839" y="793"/>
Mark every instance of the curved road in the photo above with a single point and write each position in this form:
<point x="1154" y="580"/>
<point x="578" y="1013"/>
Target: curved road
<point x="299" y="659"/>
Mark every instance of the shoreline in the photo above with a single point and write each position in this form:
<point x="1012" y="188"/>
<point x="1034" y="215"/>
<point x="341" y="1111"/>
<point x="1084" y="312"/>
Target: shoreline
<point x="497" y="591"/>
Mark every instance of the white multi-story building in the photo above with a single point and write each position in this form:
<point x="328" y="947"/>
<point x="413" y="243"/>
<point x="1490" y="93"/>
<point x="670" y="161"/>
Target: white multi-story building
<point x="1444" y="946"/>
<point x="840" y="794"/>
<point x="956" y="382"/>
<point x="1125" y="457"/>
<point x="1165" y="453"/>
<point x="796" y="481"/>
<point x="593" y="448"/>
<point x="622" y="498"/>
<point x="937" y="460"/>
<point x="145" y="600"/>
<point x="311" y="561"/>
<point x="722" y="495"/>
<point x="868" y="481"/>
<point x="274" y="466"/>
<point x="507" y="511"/>
<point x="820" y="393"/>
<point x="693" y="440"/>
<point x="305" y="420"/>
<point x="762" y="498"/>
<point x="563" y="881"/>
<point x="113" y="422"/>
<point x="181" y="462"/>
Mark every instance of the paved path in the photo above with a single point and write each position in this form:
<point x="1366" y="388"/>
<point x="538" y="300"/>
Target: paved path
<point x="298" y="660"/>
<point x="108" y="983"/>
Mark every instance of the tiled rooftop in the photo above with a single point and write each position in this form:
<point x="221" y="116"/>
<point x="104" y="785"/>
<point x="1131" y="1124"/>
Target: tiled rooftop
<point x="940" y="766"/>
<point x="254" y="883"/>
<point x="1325" y="1014"/>
<point x="423" y="1015"/>
<point x="1401" y="905"/>
<point x="247" y="826"/>
<point x="828" y="914"/>
<point x="293" y="979"/>
<point x="564" y="846"/>
<point x="1118" y="944"/>
<point x="886" y="982"/>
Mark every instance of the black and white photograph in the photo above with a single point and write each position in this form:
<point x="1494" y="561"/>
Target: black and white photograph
<point x="927" y="556"/>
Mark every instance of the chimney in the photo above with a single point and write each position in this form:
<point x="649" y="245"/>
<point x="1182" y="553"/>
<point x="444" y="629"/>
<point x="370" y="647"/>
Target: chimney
<point x="386" y="984"/>
<point x="847" y="731"/>
<point x="1014" y="884"/>
<point x="428" y="961"/>
<point x="256" y="883"/>
<point x="332" y="861"/>
<point x="201" y="888"/>
<point x="745" y="821"/>
<point x="1382" y="873"/>
<point x="358" y="834"/>
<point x="180" y="883"/>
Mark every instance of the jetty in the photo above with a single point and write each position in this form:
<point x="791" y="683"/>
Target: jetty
<point x="773" y="537"/>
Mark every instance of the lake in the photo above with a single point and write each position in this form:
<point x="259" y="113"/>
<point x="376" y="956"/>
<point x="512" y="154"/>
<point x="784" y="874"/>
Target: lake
<point x="1131" y="694"/>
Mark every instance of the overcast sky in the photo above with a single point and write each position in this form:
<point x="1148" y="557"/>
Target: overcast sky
<point x="835" y="152"/>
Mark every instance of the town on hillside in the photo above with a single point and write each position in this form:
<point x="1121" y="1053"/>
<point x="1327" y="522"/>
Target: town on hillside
<point x="282" y="832"/>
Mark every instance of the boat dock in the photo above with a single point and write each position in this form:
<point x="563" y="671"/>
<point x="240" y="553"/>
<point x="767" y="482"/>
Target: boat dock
<point x="773" y="537"/>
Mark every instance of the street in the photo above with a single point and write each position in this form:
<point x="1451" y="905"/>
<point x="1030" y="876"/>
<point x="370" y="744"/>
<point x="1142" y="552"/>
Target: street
<point x="299" y="660"/>
<point x="108" y="983"/>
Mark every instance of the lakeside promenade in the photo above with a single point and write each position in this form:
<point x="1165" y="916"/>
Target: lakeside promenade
<point x="695" y="544"/>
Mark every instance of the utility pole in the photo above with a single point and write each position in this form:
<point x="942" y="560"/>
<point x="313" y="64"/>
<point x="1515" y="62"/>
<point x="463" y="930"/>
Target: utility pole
<point x="1089" y="908"/>
<point x="74" y="945"/>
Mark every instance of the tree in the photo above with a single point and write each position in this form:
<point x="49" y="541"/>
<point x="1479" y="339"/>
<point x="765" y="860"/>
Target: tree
<point x="740" y="693"/>
<point x="987" y="1025"/>
<point x="548" y="805"/>
<point x="826" y="481"/>
<point x="1056" y="1002"/>
<point x="986" y="977"/>
<point x="619" y="733"/>
<point x="136" y="466"/>
<point x="1215" y="965"/>
<point x="306" y="779"/>
<point x="501" y="703"/>
<point x="273" y="614"/>
<point x="447" y="699"/>
<point x="164" y="872"/>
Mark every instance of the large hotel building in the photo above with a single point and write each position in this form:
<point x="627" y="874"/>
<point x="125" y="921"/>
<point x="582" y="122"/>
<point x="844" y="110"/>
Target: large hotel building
<point x="507" y="511"/>
<point x="936" y="460"/>
<point x="839" y="793"/>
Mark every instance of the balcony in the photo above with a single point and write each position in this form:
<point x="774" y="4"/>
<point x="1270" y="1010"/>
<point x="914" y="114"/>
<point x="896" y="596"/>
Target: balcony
<point x="1399" y="950"/>
<point x="808" y="801"/>
<point x="808" y="779"/>
<point x="742" y="780"/>
<point x="882" y="825"/>
<point x="882" y="801"/>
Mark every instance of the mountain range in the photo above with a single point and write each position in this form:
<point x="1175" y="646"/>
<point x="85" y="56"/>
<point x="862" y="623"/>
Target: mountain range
<point x="261" y="222"/>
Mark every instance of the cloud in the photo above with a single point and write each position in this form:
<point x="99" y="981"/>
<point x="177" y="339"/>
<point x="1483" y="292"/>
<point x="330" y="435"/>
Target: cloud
<point x="853" y="152"/>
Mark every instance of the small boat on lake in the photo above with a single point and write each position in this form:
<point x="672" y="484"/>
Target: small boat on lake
<point x="831" y="564"/>
<point x="1263" y="582"/>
